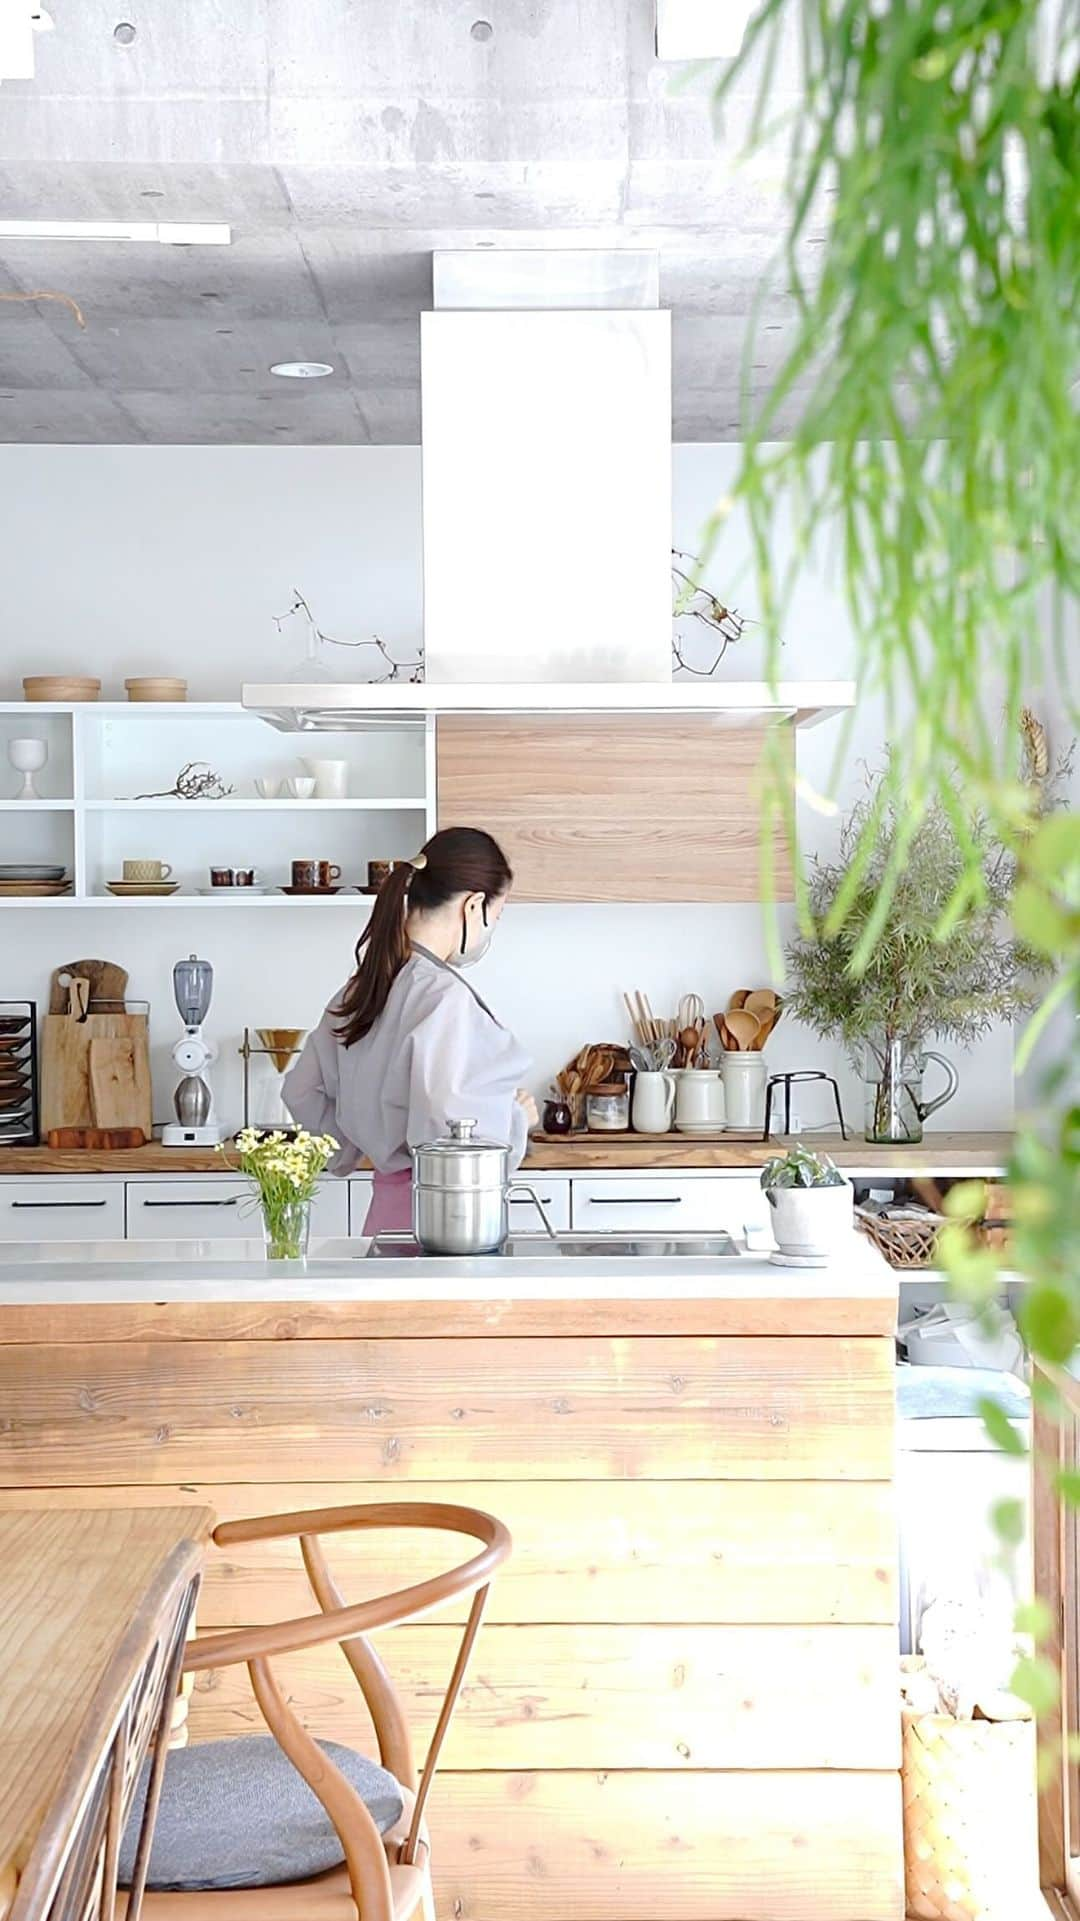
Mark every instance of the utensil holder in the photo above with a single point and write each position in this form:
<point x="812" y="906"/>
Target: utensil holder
<point x="743" y="1075"/>
<point x="20" y="1124"/>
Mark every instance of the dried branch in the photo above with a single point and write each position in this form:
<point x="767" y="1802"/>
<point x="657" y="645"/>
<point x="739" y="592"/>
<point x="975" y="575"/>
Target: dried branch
<point x="695" y="602"/>
<point x="195" y="781"/>
<point x="396" y="667"/>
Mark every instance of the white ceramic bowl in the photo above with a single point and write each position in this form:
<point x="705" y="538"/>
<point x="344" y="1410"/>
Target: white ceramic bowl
<point x="266" y="789"/>
<point x="299" y="787"/>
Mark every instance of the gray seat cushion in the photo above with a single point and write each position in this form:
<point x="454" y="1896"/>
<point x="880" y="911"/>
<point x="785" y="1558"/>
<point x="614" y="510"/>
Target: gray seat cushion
<point x="236" y="1814"/>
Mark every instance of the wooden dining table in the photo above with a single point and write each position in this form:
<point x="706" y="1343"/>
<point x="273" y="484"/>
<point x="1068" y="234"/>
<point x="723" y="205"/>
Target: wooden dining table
<point x="70" y="1581"/>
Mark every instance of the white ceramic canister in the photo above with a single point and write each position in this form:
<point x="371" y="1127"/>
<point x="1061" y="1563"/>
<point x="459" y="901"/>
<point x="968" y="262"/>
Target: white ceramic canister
<point x="699" y="1100"/>
<point x="653" y="1108"/>
<point x="743" y="1075"/>
<point x="330" y="776"/>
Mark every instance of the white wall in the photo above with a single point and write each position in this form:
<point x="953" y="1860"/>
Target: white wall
<point x="175" y="559"/>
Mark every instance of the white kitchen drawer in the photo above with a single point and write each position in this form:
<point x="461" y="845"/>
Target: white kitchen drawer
<point x="555" y="1195"/>
<point x="703" y="1204"/>
<point x="216" y="1209"/>
<point x="49" y="1207"/>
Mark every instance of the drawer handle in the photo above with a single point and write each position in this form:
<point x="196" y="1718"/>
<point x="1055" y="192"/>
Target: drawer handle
<point x="231" y="1200"/>
<point x="635" y="1200"/>
<point x="59" y="1203"/>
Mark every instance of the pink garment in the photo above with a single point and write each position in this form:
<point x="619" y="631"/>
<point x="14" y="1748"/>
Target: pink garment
<point x="391" y="1204"/>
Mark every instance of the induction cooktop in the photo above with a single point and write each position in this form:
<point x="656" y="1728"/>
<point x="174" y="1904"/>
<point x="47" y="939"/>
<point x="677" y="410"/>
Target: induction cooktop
<point x="577" y="1247"/>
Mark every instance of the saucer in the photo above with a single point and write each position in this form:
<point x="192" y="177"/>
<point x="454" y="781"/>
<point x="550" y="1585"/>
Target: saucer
<point x="155" y="888"/>
<point x="303" y="893"/>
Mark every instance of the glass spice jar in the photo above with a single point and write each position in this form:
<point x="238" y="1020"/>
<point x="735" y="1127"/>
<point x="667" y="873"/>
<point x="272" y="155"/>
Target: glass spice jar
<point x="607" y="1108"/>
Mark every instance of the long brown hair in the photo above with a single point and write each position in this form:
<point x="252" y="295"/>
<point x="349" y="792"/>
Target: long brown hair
<point x="457" y="860"/>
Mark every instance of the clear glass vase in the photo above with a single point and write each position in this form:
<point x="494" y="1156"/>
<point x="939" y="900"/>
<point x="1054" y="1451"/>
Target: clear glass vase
<point x="286" y="1227"/>
<point x="893" y="1105"/>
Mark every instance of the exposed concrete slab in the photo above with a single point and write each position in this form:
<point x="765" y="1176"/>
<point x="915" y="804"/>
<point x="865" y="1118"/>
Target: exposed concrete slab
<point x="344" y="144"/>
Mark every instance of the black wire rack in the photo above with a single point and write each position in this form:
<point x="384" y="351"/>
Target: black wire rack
<point x="20" y="1107"/>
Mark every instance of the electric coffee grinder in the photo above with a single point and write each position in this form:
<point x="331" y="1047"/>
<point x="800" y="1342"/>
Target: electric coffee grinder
<point x="194" y="1126"/>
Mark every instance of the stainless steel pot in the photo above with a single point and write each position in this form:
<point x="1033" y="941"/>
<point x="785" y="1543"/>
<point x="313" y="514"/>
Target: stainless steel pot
<point x="461" y="1193"/>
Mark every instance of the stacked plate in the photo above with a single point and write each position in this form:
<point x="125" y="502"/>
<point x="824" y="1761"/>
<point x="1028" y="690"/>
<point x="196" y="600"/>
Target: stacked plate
<point x="149" y="889"/>
<point x="33" y="881"/>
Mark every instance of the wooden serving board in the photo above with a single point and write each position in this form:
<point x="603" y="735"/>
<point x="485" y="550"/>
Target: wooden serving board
<point x="86" y="1084"/>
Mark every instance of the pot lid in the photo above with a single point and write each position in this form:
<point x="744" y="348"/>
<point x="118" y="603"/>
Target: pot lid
<point x="460" y="1137"/>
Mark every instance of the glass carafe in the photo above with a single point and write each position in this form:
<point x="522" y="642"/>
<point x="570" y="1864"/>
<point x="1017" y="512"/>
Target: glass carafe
<point x="893" y="1106"/>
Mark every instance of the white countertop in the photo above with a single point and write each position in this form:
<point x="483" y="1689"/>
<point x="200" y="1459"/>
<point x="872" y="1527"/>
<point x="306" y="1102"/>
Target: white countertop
<point x="114" y="1272"/>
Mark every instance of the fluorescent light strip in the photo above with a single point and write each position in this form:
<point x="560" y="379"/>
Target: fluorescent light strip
<point x="165" y="233"/>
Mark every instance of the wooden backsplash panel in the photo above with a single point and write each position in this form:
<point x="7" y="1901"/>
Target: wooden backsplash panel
<point x="614" y="809"/>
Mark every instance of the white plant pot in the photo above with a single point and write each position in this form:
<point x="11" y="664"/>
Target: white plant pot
<point x="810" y="1221"/>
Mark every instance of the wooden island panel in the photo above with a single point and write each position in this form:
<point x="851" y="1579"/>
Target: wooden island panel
<point x="682" y="1707"/>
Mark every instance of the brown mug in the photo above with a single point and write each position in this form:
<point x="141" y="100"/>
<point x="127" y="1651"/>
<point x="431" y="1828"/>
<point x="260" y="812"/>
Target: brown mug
<point x="377" y="872"/>
<point x="221" y="877"/>
<point x="311" y="875"/>
<point x="244" y="877"/>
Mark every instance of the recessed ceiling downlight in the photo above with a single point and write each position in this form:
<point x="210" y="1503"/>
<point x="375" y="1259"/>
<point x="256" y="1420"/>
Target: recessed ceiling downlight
<point x="301" y="369"/>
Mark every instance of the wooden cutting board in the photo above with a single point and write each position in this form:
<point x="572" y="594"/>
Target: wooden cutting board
<point x="123" y="1080"/>
<point x="115" y="1094"/>
<point x="107" y="981"/>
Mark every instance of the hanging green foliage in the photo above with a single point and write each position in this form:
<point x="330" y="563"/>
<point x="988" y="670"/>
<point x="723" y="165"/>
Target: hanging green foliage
<point x="933" y="255"/>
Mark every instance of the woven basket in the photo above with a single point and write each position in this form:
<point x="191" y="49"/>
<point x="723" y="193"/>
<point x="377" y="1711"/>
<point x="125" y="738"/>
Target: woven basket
<point x="913" y="1243"/>
<point x="904" y="1243"/>
<point x="970" y="1837"/>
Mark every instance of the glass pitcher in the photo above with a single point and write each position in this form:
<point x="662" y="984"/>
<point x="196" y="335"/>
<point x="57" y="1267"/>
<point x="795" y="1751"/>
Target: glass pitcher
<point x="893" y="1106"/>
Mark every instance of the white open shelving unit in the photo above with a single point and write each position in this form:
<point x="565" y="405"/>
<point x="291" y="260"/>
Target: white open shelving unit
<point x="103" y="754"/>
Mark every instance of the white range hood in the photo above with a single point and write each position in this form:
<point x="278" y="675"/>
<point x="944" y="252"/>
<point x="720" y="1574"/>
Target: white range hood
<point x="323" y="707"/>
<point x="546" y="451"/>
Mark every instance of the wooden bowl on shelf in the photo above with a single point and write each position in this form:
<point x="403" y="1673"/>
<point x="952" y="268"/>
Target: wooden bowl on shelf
<point x="66" y="687"/>
<point x="156" y="687"/>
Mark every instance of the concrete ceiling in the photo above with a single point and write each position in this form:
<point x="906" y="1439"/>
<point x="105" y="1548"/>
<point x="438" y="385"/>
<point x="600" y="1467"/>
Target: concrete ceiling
<point x="343" y="143"/>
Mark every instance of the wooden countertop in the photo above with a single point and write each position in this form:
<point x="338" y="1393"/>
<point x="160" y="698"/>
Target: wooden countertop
<point x="70" y="1581"/>
<point x="938" y="1154"/>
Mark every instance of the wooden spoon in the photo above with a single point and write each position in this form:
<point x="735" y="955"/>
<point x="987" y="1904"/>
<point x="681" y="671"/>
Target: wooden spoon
<point x="738" y="999"/>
<point x="743" y="1028"/>
<point x="761" y="1001"/>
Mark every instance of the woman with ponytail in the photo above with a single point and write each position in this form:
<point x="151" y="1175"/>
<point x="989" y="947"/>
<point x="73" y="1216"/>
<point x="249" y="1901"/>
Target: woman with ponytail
<point x="408" y="1045"/>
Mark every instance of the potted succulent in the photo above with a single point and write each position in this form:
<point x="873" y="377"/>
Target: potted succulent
<point x="811" y="1203"/>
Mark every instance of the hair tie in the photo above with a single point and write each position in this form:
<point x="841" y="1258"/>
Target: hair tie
<point x="418" y="862"/>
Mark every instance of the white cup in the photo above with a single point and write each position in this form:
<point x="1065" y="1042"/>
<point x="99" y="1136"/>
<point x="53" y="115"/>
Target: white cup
<point x="331" y="778"/>
<point x="699" y="1101"/>
<point x="299" y="787"/>
<point x="653" y="1106"/>
<point x="266" y="788"/>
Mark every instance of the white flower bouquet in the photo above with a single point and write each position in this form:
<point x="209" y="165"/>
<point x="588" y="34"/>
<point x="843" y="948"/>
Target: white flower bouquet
<point x="286" y="1171"/>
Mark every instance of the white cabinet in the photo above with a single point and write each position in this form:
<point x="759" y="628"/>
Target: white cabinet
<point x="183" y="1208"/>
<point x="554" y="1195"/>
<point x="676" y="1203"/>
<point x="50" y="1207"/>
